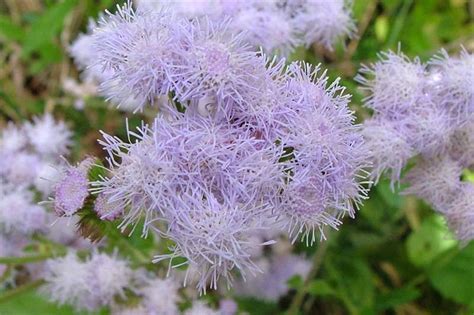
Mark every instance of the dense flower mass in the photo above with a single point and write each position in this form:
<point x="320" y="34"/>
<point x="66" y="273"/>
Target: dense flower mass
<point x="29" y="157"/>
<point x="424" y="111"/>
<point x="30" y="166"/>
<point x="135" y="56"/>
<point x="242" y="142"/>
<point x="87" y="284"/>
<point x="276" y="25"/>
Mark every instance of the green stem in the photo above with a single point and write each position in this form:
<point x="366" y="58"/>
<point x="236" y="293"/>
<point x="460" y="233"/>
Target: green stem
<point x="25" y="259"/>
<point x="398" y="25"/>
<point x="21" y="289"/>
<point x="300" y="294"/>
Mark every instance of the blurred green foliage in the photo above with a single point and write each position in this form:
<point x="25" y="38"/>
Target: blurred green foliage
<point x="396" y="257"/>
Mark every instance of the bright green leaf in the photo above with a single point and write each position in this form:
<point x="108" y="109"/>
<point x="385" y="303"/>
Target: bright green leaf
<point x="429" y="241"/>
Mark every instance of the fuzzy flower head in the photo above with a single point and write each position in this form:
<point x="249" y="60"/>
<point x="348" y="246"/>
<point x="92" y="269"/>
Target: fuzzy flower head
<point x="461" y="145"/>
<point x="213" y="236"/>
<point x="137" y="48"/>
<point x="12" y="139"/>
<point x="395" y="84"/>
<point x="379" y="138"/>
<point x="162" y="295"/>
<point x="87" y="285"/>
<point x="269" y="28"/>
<point x="321" y="21"/>
<point x="20" y="168"/>
<point x="67" y="282"/>
<point x="72" y="189"/>
<point x="460" y="214"/>
<point x="217" y="65"/>
<point x="437" y="181"/>
<point x="276" y="26"/>
<point x="271" y="284"/>
<point x="455" y="86"/>
<point x="46" y="177"/>
<point x="109" y="276"/>
<point x="176" y="156"/>
<point x="18" y="212"/>
<point x="49" y="137"/>
<point x="326" y="158"/>
<point x="417" y="109"/>
<point x="107" y="210"/>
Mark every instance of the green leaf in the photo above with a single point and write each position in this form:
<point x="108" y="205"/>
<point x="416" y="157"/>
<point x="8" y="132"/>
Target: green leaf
<point x="10" y="30"/>
<point x="468" y="176"/>
<point x="429" y="241"/>
<point x="396" y="297"/>
<point x="352" y="279"/>
<point x="32" y="303"/>
<point x="50" y="54"/>
<point x="381" y="28"/>
<point x="455" y="279"/>
<point x="295" y="282"/>
<point x="47" y="26"/>
<point x="254" y="306"/>
<point x="321" y="288"/>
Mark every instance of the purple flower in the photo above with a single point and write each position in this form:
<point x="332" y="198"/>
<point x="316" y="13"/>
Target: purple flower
<point x="20" y="168"/>
<point x="269" y="28"/>
<point x="72" y="189"/>
<point x="160" y="295"/>
<point x="215" y="65"/>
<point x="87" y="285"/>
<point x="18" y="212"/>
<point x="460" y="213"/>
<point x="107" y="210"/>
<point x="437" y="181"/>
<point x="271" y="284"/>
<point x="12" y="139"/>
<point x="454" y="84"/>
<point x="320" y="21"/>
<point x="48" y="137"/>
<point x="137" y="48"/>
<point x="327" y="154"/>
<point x="417" y="105"/>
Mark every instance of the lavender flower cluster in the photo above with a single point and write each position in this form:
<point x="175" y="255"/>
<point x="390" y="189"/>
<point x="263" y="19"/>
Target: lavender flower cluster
<point x="275" y="25"/>
<point x="425" y="111"/>
<point x="30" y="166"/>
<point x="106" y="280"/>
<point x="242" y="141"/>
<point x="103" y="280"/>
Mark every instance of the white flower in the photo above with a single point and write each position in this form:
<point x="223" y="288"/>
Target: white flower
<point x="48" y="137"/>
